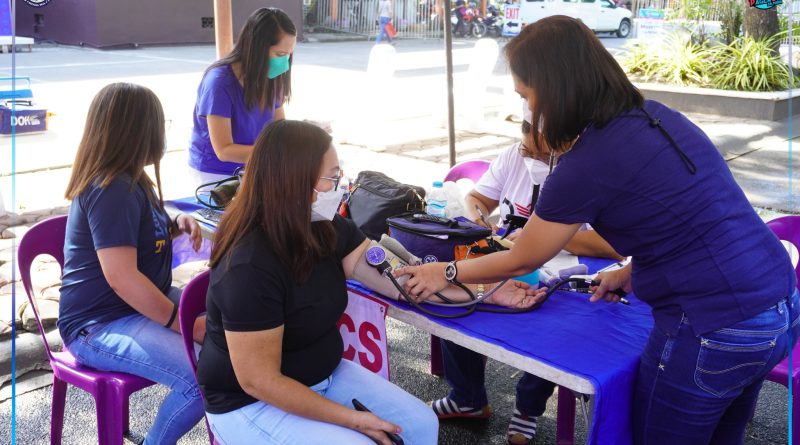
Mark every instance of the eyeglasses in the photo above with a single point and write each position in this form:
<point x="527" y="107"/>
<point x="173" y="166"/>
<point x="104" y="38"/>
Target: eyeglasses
<point x="335" y="180"/>
<point x="525" y="151"/>
<point x="167" y="124"/>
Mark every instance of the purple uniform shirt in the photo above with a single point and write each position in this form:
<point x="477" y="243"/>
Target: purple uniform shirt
<point x="698" y="246"/>
<point x="221" y="94"/>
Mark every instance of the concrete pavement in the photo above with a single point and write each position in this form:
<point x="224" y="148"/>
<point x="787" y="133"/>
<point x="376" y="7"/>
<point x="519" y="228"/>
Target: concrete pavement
<point x="395" y="128"/>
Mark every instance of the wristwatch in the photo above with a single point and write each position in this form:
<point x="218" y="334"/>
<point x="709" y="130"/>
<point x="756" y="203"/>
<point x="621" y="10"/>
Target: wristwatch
<point x="451" y="271"/>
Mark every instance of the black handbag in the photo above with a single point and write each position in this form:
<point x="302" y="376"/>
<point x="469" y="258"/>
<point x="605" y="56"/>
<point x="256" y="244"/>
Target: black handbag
<point x="375" y="197"/>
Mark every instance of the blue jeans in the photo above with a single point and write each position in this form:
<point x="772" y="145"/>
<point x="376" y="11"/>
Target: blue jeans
<point x="702" y="389"/>
<point x="265" y="424"/>
<point x="384" y="21"/>
<point x="139" y="346"/>
<point x="464" y="370"/>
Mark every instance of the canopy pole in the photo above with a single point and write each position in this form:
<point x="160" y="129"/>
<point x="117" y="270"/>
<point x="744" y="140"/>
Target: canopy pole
<point x="223" y="27"/>
<point x="448" y="49"/>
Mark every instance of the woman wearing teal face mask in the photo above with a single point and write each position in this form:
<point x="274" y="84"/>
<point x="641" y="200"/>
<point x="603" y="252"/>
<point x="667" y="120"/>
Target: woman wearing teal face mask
<point x="241" y="93"/>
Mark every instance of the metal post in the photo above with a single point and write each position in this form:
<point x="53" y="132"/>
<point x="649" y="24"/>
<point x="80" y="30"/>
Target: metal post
<point x="448" y="50"/>
<point x="223" y="27"/>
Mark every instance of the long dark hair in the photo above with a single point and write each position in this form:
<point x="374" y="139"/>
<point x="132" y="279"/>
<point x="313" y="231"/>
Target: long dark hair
<point x="124" y="132"/>
<point x="275" y="196"/>
<point x="263" y="29"/>
<point x="575" y="80"/>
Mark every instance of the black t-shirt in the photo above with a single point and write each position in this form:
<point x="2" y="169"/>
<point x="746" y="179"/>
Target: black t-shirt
<point x="255" y="292"/>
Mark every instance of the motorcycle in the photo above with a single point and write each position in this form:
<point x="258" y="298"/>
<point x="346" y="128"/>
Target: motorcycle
<point x="472" y="25"/>
<point x="493" y="22"/>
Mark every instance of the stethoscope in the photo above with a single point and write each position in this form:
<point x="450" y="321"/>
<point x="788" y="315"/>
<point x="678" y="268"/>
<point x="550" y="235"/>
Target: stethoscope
<point x="376" y="257"/>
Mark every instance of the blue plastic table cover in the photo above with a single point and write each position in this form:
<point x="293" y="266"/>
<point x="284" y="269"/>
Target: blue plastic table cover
<point x="600" y="342"/>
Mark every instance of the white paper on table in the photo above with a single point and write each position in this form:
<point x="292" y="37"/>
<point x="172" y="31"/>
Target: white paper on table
<point x="563" y="260"/>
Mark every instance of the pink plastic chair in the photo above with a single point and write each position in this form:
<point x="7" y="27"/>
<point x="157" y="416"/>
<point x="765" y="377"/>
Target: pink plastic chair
<point x="193" y="303"/>
<point x="787" y="228"/>
<point x="468" y="169"/>
<point x="110" y="390"/>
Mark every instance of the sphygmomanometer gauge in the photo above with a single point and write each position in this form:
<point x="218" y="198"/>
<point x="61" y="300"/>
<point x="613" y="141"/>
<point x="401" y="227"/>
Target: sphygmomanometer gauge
<point x="375" y="256"/>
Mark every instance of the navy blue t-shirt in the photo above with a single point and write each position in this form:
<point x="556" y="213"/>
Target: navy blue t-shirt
<point x="698" y="246"/>
<point x="118" y="215"/>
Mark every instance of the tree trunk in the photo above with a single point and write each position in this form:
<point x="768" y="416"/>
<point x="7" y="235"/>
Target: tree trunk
<point x="758" y="23"/>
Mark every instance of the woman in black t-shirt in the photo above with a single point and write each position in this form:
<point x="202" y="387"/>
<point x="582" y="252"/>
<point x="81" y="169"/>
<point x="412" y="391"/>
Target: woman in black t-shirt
<point x="271" y="367"/>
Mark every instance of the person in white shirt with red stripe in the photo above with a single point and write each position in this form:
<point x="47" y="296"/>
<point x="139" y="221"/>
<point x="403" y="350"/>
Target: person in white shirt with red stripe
<point x="508" y="184"/>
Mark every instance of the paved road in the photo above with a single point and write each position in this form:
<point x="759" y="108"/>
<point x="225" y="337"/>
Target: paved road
<point x="327" y="79"/>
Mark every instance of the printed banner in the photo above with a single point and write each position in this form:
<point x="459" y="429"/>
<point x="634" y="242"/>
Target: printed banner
<point x="363" y="329"/>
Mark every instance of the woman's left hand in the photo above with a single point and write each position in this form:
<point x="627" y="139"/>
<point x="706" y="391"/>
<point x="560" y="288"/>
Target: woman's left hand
<point x="516" y="295"/>
<point x="424" y="280"/>
<point x="609" y="281"/>
<point x="188" y="225"/>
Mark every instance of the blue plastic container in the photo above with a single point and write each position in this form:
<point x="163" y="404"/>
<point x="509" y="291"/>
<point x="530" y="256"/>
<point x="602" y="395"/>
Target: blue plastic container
<point x="531" y="278"/>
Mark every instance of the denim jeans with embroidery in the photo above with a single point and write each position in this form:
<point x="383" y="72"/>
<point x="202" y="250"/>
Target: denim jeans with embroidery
<point x="702" y="389"/>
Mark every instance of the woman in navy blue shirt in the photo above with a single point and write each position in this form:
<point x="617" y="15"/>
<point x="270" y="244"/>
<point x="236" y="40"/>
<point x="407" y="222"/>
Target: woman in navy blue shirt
<point x="652" y="184"/>
<point x="118" y="307"/>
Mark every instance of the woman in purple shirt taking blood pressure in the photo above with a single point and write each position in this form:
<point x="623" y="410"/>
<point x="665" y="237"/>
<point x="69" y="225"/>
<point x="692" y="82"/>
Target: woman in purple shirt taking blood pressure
<point x="271" y="368"/>
<point x="722" y="287"/>
<point x="240" y="94"/>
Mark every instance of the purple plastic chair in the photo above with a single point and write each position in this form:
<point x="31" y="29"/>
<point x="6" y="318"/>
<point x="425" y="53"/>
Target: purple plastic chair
<point x="110" y="390"/>
<point x="470" y="170"/>
<point x="193" y="303"/>
<point x="787" y="228"/>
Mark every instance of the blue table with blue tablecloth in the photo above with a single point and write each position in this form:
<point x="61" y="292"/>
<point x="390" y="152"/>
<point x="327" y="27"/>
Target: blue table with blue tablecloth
<point x="592" y="349"/>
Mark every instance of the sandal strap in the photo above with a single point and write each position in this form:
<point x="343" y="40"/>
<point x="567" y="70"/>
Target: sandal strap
<point x="447" y="407"/>
<point x="522" y="424"/>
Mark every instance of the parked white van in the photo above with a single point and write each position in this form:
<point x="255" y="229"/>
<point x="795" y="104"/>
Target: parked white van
<point x="598" y="15"/>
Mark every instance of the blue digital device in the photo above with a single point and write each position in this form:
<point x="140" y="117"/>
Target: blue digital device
<point x="375" y="256"/>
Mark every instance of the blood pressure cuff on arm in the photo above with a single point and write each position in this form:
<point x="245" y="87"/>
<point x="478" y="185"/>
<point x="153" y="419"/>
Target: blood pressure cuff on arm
<point x="370" y="276"/>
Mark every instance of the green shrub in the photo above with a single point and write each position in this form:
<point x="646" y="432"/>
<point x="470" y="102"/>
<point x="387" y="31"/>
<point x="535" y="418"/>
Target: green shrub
<point x="747" y="64"/>
<point x="674" y="60"/>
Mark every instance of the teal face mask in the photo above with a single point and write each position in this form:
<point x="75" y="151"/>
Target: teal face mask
<point x="278" y="66"/>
